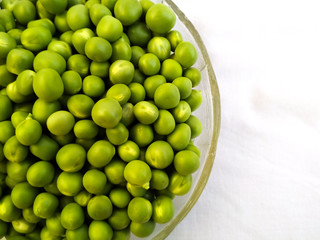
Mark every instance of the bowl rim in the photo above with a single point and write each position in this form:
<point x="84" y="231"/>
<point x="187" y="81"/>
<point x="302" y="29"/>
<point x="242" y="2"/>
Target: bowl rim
<point x="216" y="126"/>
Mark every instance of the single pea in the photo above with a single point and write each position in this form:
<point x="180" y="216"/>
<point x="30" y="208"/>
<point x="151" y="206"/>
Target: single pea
<point x="23" y="195"/>
<point x="180" y="137"/>
<point x="139" y="210"/>
<point x="45" y="149"/>
<point x="36" y="38"/>
<point x="174" y="37"/>
<point x="24" y="11"/>
<point x="119" y="92"/>
<point x="138" y="76"/>
<point x="82" y="198"/>
<point x="61" y="47"/>
<point x="100" y="230"/>
<point x="98" y="49"/>
<point x="93" y="86"/>
<point x="114" y="171"/>
<point x="100" y="69"/>
<point x="54" y="225"/>
<point x="24" y="82"/>
<point x="80" y="233"/>
<point x="99" y="207"/>
<point x="18" y="170"/>
<point x="49" y="59"/>
<point x="6" y="16"/>
<point x="138" y="172"/>
<point x="15" y="96"/>
<point x="194" y="100"/>
<point x="40" y="174"/>
<point x="45" y="23"/>
<point x="106" y="113"/>
<point x="118" y="135"/>
<point x="160" y="18"/>
<point x="159" y="154"/>
<point x="67" y="37"/>
<point x="29" y="131"/>
<point x="119" y="219"/>
<point x="6" y="77"/>
<point x="120" y="197"/>
<point x="179" y="184"/>
<point x="129" y="151"/>
<point x="142" y="230"/>
<point x="18" y="60"/>
<point x="42" y="12"/>
<point x="163" y="209"/>
<point x="171" y="69"/>
<point x="127" y="11"/>
<point x="14" y="151"/>
<point x="78" y="17"/>
<point x="127" y="114"/>
<point x="42" y="109"/>
<point x="98" y="11"/>
<point x="72" y="82"/>
<point x="186" y="162"/>
<point x="121" y="50"/>
<point x="85" y="129"/>
<point x="109" y="28"/>
<point x="165" y="123"/>
<point x="186" y="54"/>
<point x="69" y="184"/>
<point x="138" y="92"/>
<point x="181" y="112"/>
<point x="72" y="216"/>
<point x="184" y="85"/>
<point x="142" y="134"/>
<point x="6" y="108"/>
<point x="6" y="131"/>
<point x="136" y="191"/>
<point x="94" y="181"/>
<point x="8" y="211"/>
<point x="80" y="38"/>
<point x="79" y="63"/>
<point x="139" y="34"/>
<point x="80" y="105"/>
<point x="60" y="22"/>
<point x="195" y="126"/>
<point x="7" y="44"/>
<point x="137" y="52"/>
<point x="159" y="180"/>
<point x="29" y="215"/>
<point x="167" y="96"/>
<point x="60" y="122"/>
<point x="160" y="46"/>
<point x="194" y="75"/>
<point x="149" y="64"/>
<point x="100" y="153"/>
<point x="45" y="205"/>
<point x="71" y="157"/>
<point x="54" y="6"/>
<point x="146" y="112"/>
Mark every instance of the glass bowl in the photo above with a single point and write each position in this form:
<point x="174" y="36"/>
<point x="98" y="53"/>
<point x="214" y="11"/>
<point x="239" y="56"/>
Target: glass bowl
<point x="208" y="113"/>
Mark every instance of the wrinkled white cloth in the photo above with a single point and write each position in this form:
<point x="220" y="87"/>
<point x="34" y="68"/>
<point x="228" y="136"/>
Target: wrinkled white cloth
<point x="265" y="182"/>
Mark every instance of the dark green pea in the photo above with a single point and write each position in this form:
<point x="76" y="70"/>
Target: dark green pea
<point x="119" y="92"/>
<point x="180" y="137"/>
<point x="180" y="185"/>
<point x="152" y="83"/>
<point x="64" y="139"/>
<point x="6" y="77"/>
<point x="171" y="69"/>
<point x="146" y="112"/>
<point x="138" y="76"/>
<point x="138" y="93"/>
<point x="194" y="75"/>
<point x="181" y="112"/>
<point x="137" y="52"/>
<point x="184" y="85"/>
<point x="14" y="151"/>
<point x="174" y="37"/>
<point x="195" y="99"/>
<point x="165" y="123"/>
<point x="6" y="131"/>
<point x="160" y="46"/>
<point x="195" y="126"/>
<point x="129" y="151"/>
<point x="159" y="180"/>
<point x="139" y="34"/>
<point x="121" y="50"/>
<point x="85" y="143"/>
<point x="141" y="134"/>
<point x="127" y="114"/>
<point x="24" y="107"/>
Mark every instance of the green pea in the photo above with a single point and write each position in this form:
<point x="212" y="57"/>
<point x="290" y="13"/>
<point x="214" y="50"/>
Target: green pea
<point x="180" y="137"/>
<point x="54" y="6"/>
<point x="129" y="151"/>
<point x="67" y="37"/>
<point x="181" y="112"/>
<point x="160" y="46"/>
<point x="117" y="135"/>
<point x="136" y="191"/>
<point x="54" y="225"/>
<point x="7" y="44"/>
<point x="167" y="96"/>
<point x="184" y="85"/>
<point x="137" y="52"/>
<point x="8" y="211"/>
<point x="49" y="59"/>
<point x="64" y="139"/>
<point x="24" y="82"/>
<point x="174" y="37"/>
<point x="193" y="148"/>
<point x="109" y="4"/>
<point x="18" y="170"/>
<point x="100" y="153"/>
<point x="119" y="92"/>
<point x="50" y="146"/>
<point x="121" y="50"/>
<point x="159" y="180"/>
<point x="90" y="3"/>
<point x="72" y="82"/>
<point x="109" y="28"/>
<point x="36" y="38"/>
<point x="195" y="126"/>
<point x="127" y="114"/>
<point x="121" y="71"/>
<point x="23" y="195"/>
<point x="98" y="49"/>
<point x="52" y="187"/>
<point x="98" y="11"/>
<point x="85" y="129"/>
<point x="165" y="123"/>
<point x="93" y="86"/>
<point x="171" y="69"/>
<point x="138" y="77"/>
<point x="60" y="22"/>
<point x="99" y="207"/>
<point x="18" y="60"/>
<point x="71" y="157"/>
<point x="152" y="83"/>
<point x="75" y="2"/>
<point x="78" y="17"/>
<point x="159" y="154"/>
<point x="80" y="105"/>
<point x="6" y="131"/>
<point x="61" y="47"/>
<point x="142" y="134"/>
<point x="146" y="112"/>
<point x="72" y="216"/>
<point x="14" y="95"/>
<point x="80" y="233"/>
<point x="120" y="197"/>
<point x="194" y="100"/>
<point x="138" y="172"/>
<point x="106" y="113"/>
<point x="60" y="122"/>
<point x="194" y="75"/>
<point x="79" y="63"/>
<point x="186" y="54"/>
<point x="163" y="209"/>
<point x="6" y="16"/>
<point x="149" y="64"/>
<point x="160" y="18"/>
<point x="114" y="171"/>
<point x="40" y="174"/>
<point x="138" y="92"/>
<point x="45" y="205"/>
<point x="6" y="108"/>
<point x="29" y="131"/>
<point x="24" y="12"/>
<point x="142" y="230"/>
<point x="41" y="110"/>
<point x="14" y="151"/>
<point x="139" y="34"/>
<point x="29" y="215"/>
<point x="80" y="38"/>
<point x="186" y="162"/>
<point x="127" y="11"/>
<point x="100" y="69"/>
<point x="119" y="219"/>
<point x="140" y="210"/>
<point x="100" y="230"/>
<point x="94" y="181"/>
<point x="6" y="77"/>
<point x="82" y="198"/>
<point x="180" y="185"/>
<point x="69" y="184"/>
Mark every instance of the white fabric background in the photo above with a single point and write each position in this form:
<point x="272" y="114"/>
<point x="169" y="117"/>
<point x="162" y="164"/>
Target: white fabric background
<point x="265" y="182"/>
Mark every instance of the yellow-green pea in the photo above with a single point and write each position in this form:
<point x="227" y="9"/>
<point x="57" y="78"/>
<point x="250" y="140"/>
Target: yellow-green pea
<point x="7" y="43"/>
<point x="117" y="135"/>
<point x="138" y="172"/>
<point x="42" y="12"/>
<point x="159" y="154"/>
<point x="98" y="11"/>
<point x="160" y="46"/>
<point x="72" y="82"/>
<point x="159" y="180"/>
<point x="99" y="207"/>
<point x="186" y="162"/>
<point x="8" y="212"/>
<point x="72" y="216"/>
<point x="24" y="11"/>
<point x="180" y="137"/>
<point x="174" y="37"/>
<point x="120" y="197"/>
<point x="136" y="191"/>
<point x="51" y="148"/>
<point x="121" y="71"/>
<point x="14" y="151"/>
<point x="195" y="126"/>
<point x="137" y="52"/>
<point x="36" y="38"/>
<point x="85" y="129"/>
<point x="60" y="47"/>
<point x="121" y="50"/>
<point x="171" y="69"/>
<point x="109" y="28"/>
<point x="186" y="54"/>
<point x="100" y="153"/>
<point x="67" y="37"/>
<point x="195" y="99"/>
<point x="45" y="22"/>
<point x="29" y="131"/>
<point x="6" y="131"/>
<point x="139" y="34"/>
<point x="138" y="76"/>
<point x="80" y="37"/>
<point x="114" y="171"/>
<point x="80" y="105"/>
<point x="80" y="233"/>
<point x="98" y="49"/>
<point x="29" y="215"/>
<point x="82" y="198"/>
<point x="14" y="95"/>
<point x="23" y="195"/>
<point x="19" y="59"/>
<point x="160" y="18"/>
<point x="142" y="230"/>
<point x="40" y="174"/>
<point x="142" y="134"/>
<point x="127" y="11"/>
<point x="119" y="219"/>
<point x="6" y="108"/>
<point x="69" y="184"/>
<point x="54" y="6"/>
<point x="49" y="59"/>
<point x="78" y="17"/>
<point x="146" y="112"/>
<point x="179" y="185"/>
<point x="165" y="123"/>
<point x="93" y="86"/>
<point x="139" y="210"/>
<point x="194" y="75"/>
<point x="149" y="64"/>
<point x="100" y="69"/>
<point x="41" y="110"/>
<point x="54" y="225"/>
<point x="79" y="63"/>
<point x="127" y="114"/>
<point x="152" y="83"/>
<point x="100" y="230"/>
<point x="162" y="209"/>
<point x="6" y="16"/>
<point x="138" y="92"/>
<point x="184" y="85"/>
<point x="60" y="22"/>
<point x="181" y="112"/>
<point x="24" y="82"/>
<point x="167" y="96"/>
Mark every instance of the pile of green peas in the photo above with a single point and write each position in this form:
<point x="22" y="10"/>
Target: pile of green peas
<point x="96" y="118"/>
